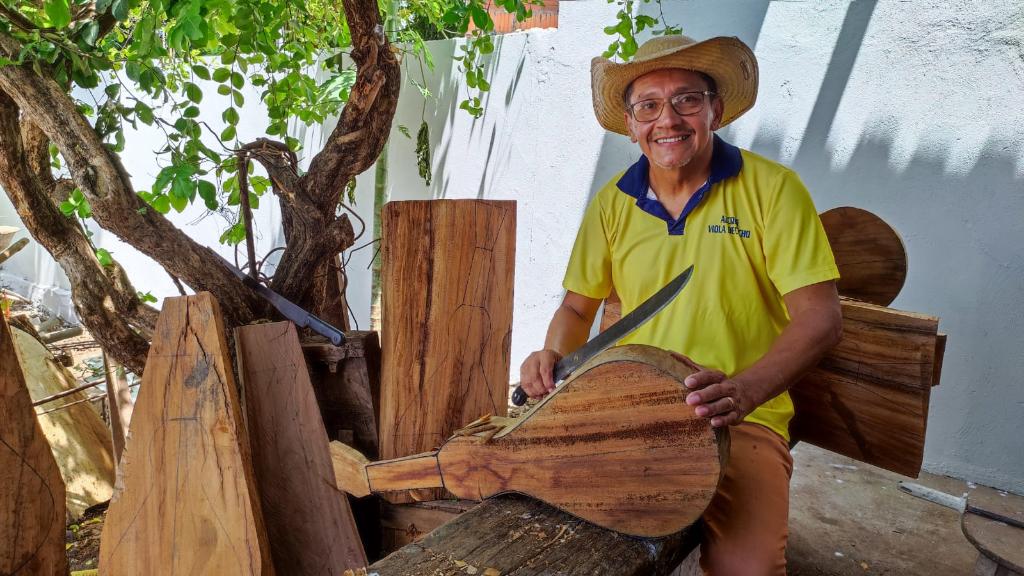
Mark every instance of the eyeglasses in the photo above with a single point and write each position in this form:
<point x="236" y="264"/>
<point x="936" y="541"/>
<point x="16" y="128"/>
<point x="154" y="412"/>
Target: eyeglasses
<point x="684" y="104"/>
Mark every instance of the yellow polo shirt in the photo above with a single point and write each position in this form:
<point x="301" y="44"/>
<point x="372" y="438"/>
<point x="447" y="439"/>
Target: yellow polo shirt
<point x="752" y="234"/>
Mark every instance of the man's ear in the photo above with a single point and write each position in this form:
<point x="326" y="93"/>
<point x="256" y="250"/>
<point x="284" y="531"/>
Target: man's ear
<point x="629" y="127"/>
<point x="718" y="109"/>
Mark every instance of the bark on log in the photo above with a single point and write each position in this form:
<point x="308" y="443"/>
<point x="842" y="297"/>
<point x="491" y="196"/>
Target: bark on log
<point x="517" y="536"/>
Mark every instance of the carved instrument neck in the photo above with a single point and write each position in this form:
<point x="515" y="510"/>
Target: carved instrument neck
<point x="419" y="471"/>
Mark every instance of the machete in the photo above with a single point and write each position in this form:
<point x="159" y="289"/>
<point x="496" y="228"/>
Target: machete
<point x="957" y="503"/>
<point x="289" y="309"/>
<point x="615" y="332"/>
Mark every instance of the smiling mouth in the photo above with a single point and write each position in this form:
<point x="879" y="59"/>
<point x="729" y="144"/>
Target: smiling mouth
<point x="672" y="139"/>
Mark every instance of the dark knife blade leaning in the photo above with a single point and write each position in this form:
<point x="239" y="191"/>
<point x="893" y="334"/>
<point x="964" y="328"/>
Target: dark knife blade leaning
<point x="615" y="332"/>
<point x="289" y="309"/>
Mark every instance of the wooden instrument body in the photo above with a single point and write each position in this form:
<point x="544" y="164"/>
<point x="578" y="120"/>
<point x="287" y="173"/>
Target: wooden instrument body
<point x="616" y="445"/>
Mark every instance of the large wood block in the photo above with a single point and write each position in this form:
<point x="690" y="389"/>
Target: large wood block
<point x="447" y="320"/>
<point x="309" y="521"/>
<point x="868" y="398"/>
<point x="32" y="510"/>
<point x="517" y="535"/>
<point x="189" y="503"/>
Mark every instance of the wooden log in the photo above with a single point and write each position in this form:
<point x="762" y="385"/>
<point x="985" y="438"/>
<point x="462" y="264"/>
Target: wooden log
<point x="868" y="398"/>
<point x="309" y="521"/>
<point x="13" y="249"/>
<point x="517" y="535"/>
<point x="869" y="253"/>
<point x="447" y="319"/>
<point x="189" y="502"/>
<point x="616" y="444"/>
<point x="32" y="509"/>
<point x="346" y="380"/>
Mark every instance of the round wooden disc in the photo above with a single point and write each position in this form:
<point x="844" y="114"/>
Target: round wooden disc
<point x="1001" y="542"/>
<point x="869" y="253"/>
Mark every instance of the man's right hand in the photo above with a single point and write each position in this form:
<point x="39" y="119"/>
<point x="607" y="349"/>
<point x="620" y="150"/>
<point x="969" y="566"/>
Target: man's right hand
<point x="536" y="375"/>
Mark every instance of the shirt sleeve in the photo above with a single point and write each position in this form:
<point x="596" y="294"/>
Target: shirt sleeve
<point x="590" y="265"/>
<point x="796" y="249"/>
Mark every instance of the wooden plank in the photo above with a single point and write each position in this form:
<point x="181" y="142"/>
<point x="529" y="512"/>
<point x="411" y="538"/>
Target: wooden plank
<point x="447" y="319"/>
<point x="517" y="535"/>
<point x="868" y="398"/>
<point x="189" y="503"/>
<point x="616" y="444"/>
<point x="119" y="402"/>
<point x="869" y="253"/>
<point x="403" y="524"/>
<point x="32" y="510"/>
<point x="309" y="521"/>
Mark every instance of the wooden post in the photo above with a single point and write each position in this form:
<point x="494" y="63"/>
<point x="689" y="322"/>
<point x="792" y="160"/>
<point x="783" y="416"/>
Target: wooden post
<point x="447" y="320"/>
<point x="32" y="505"/>
<point x="120" y="403"/>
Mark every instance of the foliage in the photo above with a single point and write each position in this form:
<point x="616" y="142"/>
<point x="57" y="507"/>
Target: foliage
<point x="155" y="63"/>
<point x="629" y="25"/>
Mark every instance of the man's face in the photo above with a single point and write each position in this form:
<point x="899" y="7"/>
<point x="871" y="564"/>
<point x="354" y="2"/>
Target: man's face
<point x="672" y="141"/>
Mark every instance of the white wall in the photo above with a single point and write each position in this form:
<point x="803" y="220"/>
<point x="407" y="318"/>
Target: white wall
<point x="911" y="110"/>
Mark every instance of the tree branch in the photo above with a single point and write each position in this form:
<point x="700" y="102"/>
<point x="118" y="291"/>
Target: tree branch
<point x="365" y="122"/>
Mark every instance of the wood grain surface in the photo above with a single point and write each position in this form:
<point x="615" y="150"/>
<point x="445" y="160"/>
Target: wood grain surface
<point x="309" y="521"/>
<point x="868" y="398"/>
<point x="869" y="253"/>
<point x="189" y="504"/>
<point x="446" y="320"/>
<point x="999" y="541"/>
<point x="615" y="444"/>
<point x="32" y="509"/>
<point x="513" y="535"/>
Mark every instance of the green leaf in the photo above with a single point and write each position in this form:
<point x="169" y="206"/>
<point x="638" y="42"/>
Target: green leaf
<point x="58" y="12"/>
<point x="201" y="71"/>
<point x="237" y="80"/>
<point x="67" y="208"/>
<point x="191" y="112"/>
<point x="112" y="90"/>
<point x="230" y="116"/>
<point x="177" y="202"/>
<point x="119" y="9"/>
<point x="143" y="113"/>
<point x="405" y="131"/>
<point x="208" y="193"/>
<point x="223" y="89"/>
<point x="228" y="133"/>
<point x="90" y="32"/>
<point x="104" y="257"/>
<point x="237" y="98"/>
<point x="221" y="74"/>
<point x="161" y="204"/>
<point x="233" y="235"/>
<point x="193" y="92"/>
<point x="146" y="297"/>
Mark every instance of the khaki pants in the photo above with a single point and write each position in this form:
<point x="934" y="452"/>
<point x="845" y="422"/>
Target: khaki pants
<point x="747" y="522"/>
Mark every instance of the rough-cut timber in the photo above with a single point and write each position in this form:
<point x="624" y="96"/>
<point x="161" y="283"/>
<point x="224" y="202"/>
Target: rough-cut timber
<point x="189" y="502"/>
<point x="403" y="524"/>
<point x="309" y="521"/>
<point x="868" y="398"/>
<point x="447" y="318"/>
<point x="869" y="253"/>
<point x="616" y="445"/>
<point x="32" y="512"/>
<point x="517" y="536"/>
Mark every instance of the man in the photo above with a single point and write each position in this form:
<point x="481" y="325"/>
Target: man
<point x="761" y="307"/>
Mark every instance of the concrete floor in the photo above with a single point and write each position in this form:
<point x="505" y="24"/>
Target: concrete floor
<point x="849" y="518"/>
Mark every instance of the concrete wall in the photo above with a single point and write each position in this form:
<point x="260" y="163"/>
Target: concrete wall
<point x="909" y="109"/>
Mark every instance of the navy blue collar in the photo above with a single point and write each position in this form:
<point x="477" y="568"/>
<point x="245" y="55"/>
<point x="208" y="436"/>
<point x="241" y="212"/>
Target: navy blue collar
<point x="726" y="162"/>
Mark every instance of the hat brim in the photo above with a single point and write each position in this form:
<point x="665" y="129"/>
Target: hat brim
<point x="726" y="59"/>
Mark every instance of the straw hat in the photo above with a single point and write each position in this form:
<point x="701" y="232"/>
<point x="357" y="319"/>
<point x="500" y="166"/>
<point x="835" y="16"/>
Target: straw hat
<point x="726" y="59"/>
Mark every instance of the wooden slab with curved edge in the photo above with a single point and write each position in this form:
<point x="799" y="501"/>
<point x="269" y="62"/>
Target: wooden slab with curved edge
<point x="32" y="509"/>
<point x="309" y="522"/>
<point x="870" y="255"/>
<point x="189" y="503"/>
<point x="998" y="541"/>
<point x="615" y="445"/>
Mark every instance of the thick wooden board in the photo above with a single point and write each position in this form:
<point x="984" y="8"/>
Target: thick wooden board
<point x="447" y="320"/>
<point x="868" y="398"/>
<point x="999" y="541"/>
<point x="32" y="512"/>
<point x="309" y="521"/>
<point x="78" y="438"/>
<point x="403" y="524"/>
<point x="869" y="253"/>
<point x="515" y="535"/>
<point x="189" y="502"/>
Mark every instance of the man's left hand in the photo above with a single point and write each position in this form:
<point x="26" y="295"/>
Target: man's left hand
<point x="715" y="396"/>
